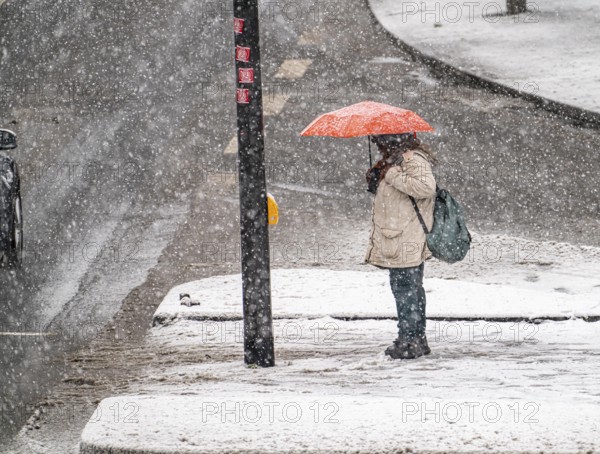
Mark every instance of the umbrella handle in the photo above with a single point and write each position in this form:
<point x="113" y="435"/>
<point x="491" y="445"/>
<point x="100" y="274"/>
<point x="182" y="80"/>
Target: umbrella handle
<point x="370" y="156"/>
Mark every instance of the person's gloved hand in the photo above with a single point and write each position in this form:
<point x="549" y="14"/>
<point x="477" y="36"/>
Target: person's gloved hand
<point x="373" y="178"/>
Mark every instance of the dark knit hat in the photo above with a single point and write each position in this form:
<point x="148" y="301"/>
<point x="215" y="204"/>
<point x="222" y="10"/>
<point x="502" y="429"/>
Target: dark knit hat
<point x="407" y="141"/>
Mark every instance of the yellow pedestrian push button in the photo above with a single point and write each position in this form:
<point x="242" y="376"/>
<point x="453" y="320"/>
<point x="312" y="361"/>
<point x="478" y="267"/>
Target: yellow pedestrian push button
<point x="272" y="210"/>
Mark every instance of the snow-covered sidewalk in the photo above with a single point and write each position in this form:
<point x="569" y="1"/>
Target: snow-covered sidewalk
<point x="487" y="386"/>
<point x="550" y="51"/>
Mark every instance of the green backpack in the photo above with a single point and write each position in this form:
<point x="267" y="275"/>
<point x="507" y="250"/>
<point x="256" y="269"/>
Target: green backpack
<point x="449" y="239"/>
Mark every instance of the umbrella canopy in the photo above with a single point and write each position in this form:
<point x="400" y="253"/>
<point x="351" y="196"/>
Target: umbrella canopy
<point x="366" y="118"/>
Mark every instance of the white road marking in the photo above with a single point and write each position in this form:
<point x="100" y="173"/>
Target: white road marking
<point x="225" y="178"/>
<point x="289" y="69"/>
<point x="293" y="69"/>
<point x="273" y="105"/>
<point x="310" y="37"/>
<point x="232" y="146"/>
<point x="387" y="60"/>
<point x="9" y="333"/>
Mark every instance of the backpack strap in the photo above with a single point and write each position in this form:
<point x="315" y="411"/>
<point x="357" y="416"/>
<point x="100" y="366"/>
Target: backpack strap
<point x="416" y="207"/>
<point x="421" y="220"/>
<point x="414" y="202"/>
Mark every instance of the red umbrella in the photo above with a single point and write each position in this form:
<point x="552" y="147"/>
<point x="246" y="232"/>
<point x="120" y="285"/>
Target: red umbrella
<point x="366" y="119"/>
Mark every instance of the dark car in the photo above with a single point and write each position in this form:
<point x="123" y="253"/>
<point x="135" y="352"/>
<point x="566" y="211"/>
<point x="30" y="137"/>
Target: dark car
<point x="11" y="215"/>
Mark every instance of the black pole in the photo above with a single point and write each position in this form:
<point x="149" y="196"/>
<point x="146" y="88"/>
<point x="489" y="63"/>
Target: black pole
<point x="370" y="155"/>
<point x="516" y="6"/>
<point x="256" y="278"/>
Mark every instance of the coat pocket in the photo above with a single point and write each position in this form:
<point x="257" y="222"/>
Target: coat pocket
<point x="390" y="243"/>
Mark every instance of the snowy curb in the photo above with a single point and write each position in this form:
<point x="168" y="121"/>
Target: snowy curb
<point x="358" y="295"/>
<point x="294" y="423"/>
<point x="476" y="75"/>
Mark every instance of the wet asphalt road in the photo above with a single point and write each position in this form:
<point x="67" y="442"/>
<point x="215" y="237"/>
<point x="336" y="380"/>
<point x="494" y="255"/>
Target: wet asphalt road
<point x="123" y="111"/>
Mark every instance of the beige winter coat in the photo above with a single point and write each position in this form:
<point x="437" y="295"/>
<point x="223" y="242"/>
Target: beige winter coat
<point x="397" y="237"/>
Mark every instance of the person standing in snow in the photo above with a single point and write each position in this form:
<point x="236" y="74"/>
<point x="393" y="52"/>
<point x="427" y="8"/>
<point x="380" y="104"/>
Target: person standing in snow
<point x="397" y="240"/>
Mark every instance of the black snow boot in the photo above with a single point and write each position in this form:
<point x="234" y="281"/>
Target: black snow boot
<point x="422" y="340"/>
<point x="404" y="349"/>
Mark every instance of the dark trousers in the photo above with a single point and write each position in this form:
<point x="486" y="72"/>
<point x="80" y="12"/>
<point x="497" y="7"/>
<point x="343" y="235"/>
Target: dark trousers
<point x="407" y="287"/>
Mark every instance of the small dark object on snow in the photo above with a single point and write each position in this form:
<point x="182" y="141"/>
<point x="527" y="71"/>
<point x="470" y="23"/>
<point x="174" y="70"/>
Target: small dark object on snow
<point x="186" y="300"/>
<point x="516" y="6"/>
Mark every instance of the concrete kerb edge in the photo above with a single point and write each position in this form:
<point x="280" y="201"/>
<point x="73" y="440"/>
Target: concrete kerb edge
<point x="581" y="117"/>
<point x="166" y="320"/>
<point x="85" y="448"/>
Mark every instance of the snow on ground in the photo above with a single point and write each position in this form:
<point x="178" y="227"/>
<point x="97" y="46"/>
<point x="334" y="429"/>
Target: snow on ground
<point x="503" y="277"/>
<point x="550" y="51"/>
<point x="347" y="294"/>
<point x="486" y="387"/>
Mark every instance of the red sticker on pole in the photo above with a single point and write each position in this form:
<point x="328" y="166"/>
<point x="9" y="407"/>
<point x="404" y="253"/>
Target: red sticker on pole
<point x="238" y="26"/>
<point x="242" y="96"/>
<point x="246" y="76"/>
<point x="242" y="54"/>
